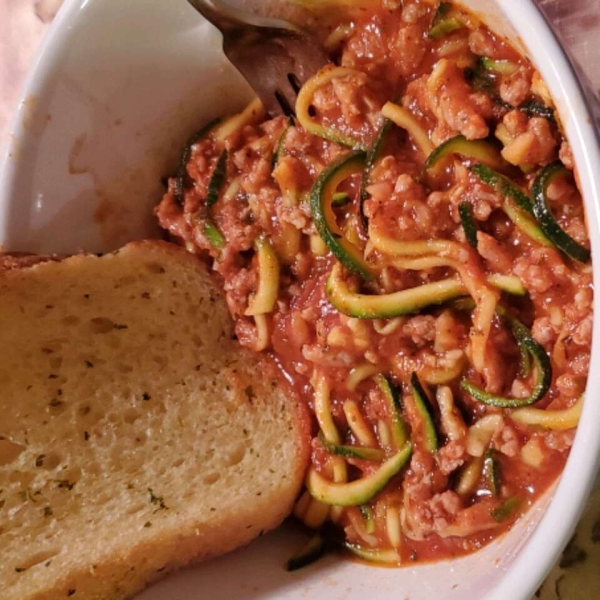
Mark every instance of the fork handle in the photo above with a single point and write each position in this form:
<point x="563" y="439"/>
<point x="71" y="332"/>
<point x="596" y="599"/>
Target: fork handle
<point x="227" y="18"/>
<point x="220" y="15"/>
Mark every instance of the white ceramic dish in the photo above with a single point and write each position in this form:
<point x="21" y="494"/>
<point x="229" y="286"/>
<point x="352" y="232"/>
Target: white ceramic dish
<point x="117" y="88"/>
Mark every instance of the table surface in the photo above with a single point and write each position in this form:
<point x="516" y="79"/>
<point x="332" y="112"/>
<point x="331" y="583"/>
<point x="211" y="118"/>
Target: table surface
<point x="23" y="24"/>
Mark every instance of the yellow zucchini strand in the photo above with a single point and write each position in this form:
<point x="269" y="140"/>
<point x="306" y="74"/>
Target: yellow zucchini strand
<point x="266" y="295"/>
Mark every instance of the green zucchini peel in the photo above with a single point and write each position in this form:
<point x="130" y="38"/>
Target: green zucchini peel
<point x="543" y="214"/>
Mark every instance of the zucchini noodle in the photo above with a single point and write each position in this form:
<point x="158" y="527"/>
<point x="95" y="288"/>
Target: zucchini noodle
<point x="359" y="491"/>
<point x="406" y="519"/>
<point x="508" y="283"/>
<point x="541" y="362"/>
<point x="324" y="218"/>
<point x="254" y="112"/>
<point x="359" y="374"/>
<point x="301" y="505"/>
<point x="335" y="181"/>
<point x="469" y="477"/>
<point x="316" y="514"/>
<point x="334" y="40"/>
<point x="389" y="557"/>
<point x="445" y="374"/>
<point x="383" y="431"/>
<point x="559" y="353"/>
<point x="367" y="514"/>
<point x="436" y="76"/>
<point x="288" y="239"/>
<point x="464" y="530"/>
<point x="505" y="283"/>
<point x="485" y="297"/>
<point x="335" y="513"/>
<point x="451" y="420"/>
<point x="404" y="119"/>
<point x="262" y="333"/>
<point x="304" y="100"/>
<point x="386" y="278"/>
<point x="480" y="434"/>
<point x="398" y="428"/>
<point x="287" y="243"/>
<point x="387" y="326"/>
<point x="396" y="248"/>
<point x="451" y="46"/>
<point x="423" y="263"/>
<point x="325" y="419"/>
<point x="352" y="230"/>
<point x="323" y="409"/>
<point x="483" y="317"/>
<point x="352" y="451"/>
<point x="357" y="521"/>
<point x="266" y="295"/>
<point x="280" y="149"/>
<point x="408" y="301"/>
<point x="317" y="246"/>
<point x="211" y="231"/>
<point x="468" y="20"/>
<point x="232" y="190"/>
<point x="525" y="222"/>
<point x="186" y="155"/>
<point x="550" y="419"/>
<point x="358" y="425"/>
<point x="393" y="527"/>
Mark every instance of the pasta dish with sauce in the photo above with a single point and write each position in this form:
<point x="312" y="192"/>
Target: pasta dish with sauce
<point x="411" y="249"/>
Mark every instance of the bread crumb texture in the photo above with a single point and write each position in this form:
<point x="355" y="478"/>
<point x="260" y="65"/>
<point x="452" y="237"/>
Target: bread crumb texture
<point x="136" y="436"/>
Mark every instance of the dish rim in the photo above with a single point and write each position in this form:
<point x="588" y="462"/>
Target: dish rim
<point x="577" y="108"/>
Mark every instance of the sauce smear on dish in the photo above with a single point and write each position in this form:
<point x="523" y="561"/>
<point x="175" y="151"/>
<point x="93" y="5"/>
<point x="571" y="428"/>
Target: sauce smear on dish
<point x="411" y="249"/>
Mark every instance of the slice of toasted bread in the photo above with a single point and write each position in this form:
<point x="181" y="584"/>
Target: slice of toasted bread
<point x="136" y="435"/>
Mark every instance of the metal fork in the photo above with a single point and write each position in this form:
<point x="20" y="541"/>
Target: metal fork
<point x="274" y="56"/>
